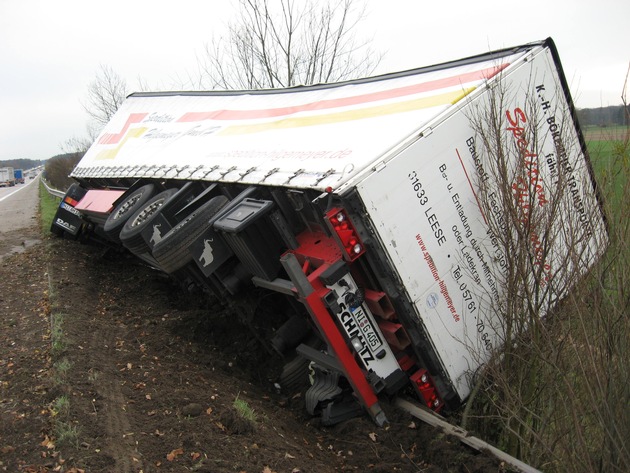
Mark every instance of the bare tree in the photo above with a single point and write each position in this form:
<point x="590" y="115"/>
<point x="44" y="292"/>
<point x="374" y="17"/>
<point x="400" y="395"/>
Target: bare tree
<point x="286" y="42"/>
<point x="105" y="95"/>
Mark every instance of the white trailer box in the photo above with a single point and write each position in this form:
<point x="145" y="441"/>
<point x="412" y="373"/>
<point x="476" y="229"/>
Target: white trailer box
<point x="6" y="177"/>
<point x="379" y="197"/>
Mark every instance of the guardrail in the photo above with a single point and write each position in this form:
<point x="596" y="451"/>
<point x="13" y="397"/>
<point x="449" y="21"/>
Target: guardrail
<point x="51" y="191"/>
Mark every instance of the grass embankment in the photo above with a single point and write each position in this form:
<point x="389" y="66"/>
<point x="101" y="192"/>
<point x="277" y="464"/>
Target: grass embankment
<point x="47" y="207"/>
<point x="610" y="164"/>
<point x="63" y="431"/>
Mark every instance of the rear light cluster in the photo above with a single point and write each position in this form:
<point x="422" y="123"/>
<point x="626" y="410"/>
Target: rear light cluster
<point x="69" y="200"/>
<point x="346" y="233"/>
<point x="423" y="384"/>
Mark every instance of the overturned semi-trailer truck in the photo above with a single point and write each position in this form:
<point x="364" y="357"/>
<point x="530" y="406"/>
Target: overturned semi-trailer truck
<point x="359" y="203"/>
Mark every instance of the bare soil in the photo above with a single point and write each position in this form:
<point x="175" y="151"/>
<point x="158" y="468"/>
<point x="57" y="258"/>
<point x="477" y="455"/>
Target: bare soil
<point x="143" y="377"/>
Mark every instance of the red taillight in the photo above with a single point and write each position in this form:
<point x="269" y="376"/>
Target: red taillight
<point x="346" y="233"/>
<point x="423" y="383"/>
<point x="71" y="201"/>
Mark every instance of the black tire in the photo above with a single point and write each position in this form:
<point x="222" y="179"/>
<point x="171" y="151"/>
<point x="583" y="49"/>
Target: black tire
<point x="171" y="252"/>
<point x="294" y="376"/>
<point x="131" y="233"/>
<point x="119" y="216"/>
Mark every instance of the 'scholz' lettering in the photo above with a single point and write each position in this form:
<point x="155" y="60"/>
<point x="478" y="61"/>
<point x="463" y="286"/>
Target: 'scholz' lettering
<point x="350" y="324"/>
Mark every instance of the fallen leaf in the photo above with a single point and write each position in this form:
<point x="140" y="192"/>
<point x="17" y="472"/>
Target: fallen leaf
<point x="195" y="455"/>
<point x="174" y="454"/>
<point x="209" y="410"/>
<point x="372" y="436"/>
<point x="412" y="425"/>
<point x="49" y="444"/>
<point x="288" y="455"/>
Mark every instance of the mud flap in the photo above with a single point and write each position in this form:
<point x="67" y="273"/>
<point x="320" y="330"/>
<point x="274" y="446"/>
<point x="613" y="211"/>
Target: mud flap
<point x="327" y="398"/>
<point x="69" y="220"/>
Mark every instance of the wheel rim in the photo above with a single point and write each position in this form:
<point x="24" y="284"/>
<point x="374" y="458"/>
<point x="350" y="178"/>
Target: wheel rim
<point x="147" y="212"/>
<point x="128" y="205"/>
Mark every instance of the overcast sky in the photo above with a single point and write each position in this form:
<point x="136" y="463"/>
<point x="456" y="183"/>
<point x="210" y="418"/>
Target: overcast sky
<point x="50" y="50"/>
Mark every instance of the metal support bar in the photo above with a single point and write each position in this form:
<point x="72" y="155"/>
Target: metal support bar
<point x="433" y="419"/>
<point x="282" y="286"/>
<point x="294" y="270"/>
<point x="322" y="359"/>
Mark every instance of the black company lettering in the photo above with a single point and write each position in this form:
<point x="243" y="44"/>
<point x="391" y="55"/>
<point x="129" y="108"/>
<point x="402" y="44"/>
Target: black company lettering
<point x="560" y="163"/>
<point x="481" y="172"/>
<point x="428" y="213"/>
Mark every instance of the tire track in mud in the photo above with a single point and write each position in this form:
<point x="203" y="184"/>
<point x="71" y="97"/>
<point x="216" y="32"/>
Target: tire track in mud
<point x="97" y="361"/>
<point x="118" y="435"/>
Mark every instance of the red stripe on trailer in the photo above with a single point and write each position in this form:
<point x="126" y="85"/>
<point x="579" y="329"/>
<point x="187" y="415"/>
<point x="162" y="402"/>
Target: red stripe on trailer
<point x="114" y="138"/>
<point x="428" y="86"/>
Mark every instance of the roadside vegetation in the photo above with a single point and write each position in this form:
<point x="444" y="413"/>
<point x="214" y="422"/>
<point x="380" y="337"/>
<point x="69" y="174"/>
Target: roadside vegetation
<point x="556" y="396"/>
<point x="47" y="207"/>
<point x="58" y="168"/>
<point x="63" y="431"/>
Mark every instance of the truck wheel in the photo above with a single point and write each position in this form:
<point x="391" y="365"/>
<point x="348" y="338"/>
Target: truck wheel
<point x="172" y="252"/>
<point x="124" y="210"/>
<point x="294" y="376"/>
<point x="131" y="233"/>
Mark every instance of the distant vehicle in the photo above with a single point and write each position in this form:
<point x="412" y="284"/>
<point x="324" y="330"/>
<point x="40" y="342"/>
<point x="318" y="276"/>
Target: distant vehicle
<point x="7" y="177"/>
<point x="353" y="206"/>
<point x="19" y="176"/>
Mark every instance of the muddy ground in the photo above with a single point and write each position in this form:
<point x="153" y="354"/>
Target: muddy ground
<point x="105" y="366"/>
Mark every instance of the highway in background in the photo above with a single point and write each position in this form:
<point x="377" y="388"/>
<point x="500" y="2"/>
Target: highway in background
<point x="19" y="227"/>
